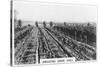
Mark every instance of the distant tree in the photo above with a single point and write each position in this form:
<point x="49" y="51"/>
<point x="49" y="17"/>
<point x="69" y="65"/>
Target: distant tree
<point x="19" y="23"/>
<point x="44" y="23"/>
<point x="88" y="24"/>
<point x="51" y="24"/>
<point x="64" y="23"/>
<point x="29" y="25"/>
<point x="36" y="23"/>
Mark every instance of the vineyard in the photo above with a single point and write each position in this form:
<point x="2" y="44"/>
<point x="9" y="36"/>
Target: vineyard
<point x="35" y="42"/>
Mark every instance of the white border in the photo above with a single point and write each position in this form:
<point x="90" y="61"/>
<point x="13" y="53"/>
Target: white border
<point x="62" y="4"/>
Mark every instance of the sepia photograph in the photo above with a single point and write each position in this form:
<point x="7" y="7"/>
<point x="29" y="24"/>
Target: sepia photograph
<point x="46" y="33"/>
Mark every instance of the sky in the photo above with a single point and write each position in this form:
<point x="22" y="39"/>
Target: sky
<point x="39" y="11"/>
